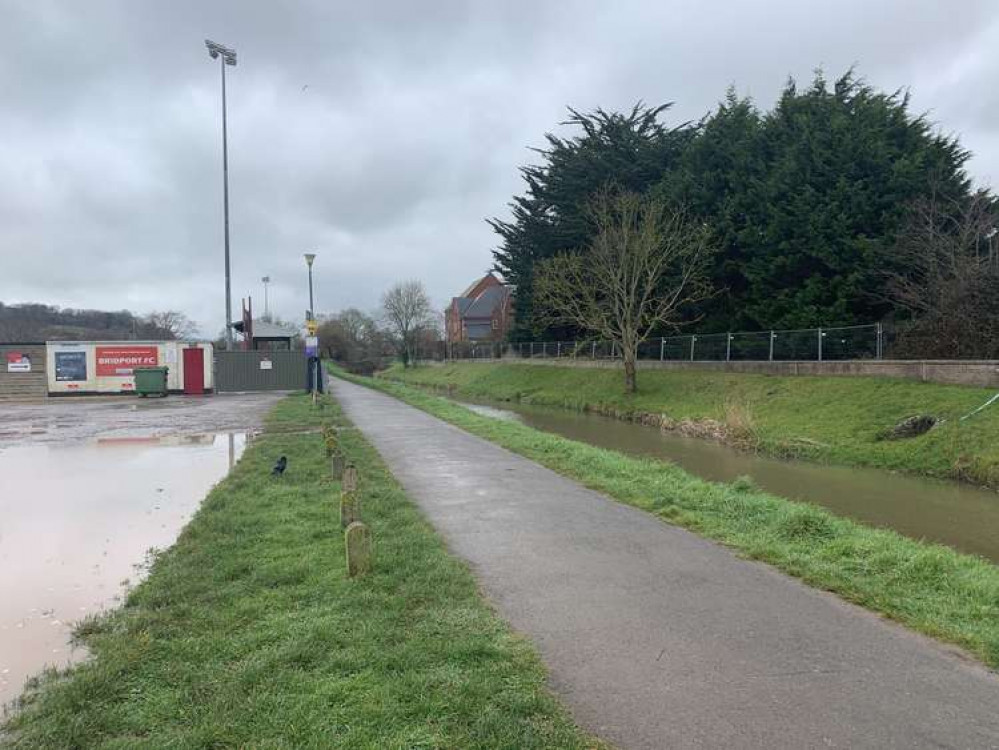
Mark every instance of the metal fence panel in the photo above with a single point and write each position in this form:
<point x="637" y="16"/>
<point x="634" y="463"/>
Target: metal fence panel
<point x="260" y="371"/>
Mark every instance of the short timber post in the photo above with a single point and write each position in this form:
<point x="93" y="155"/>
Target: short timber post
<point x="728" y="347"/>
<point x="357" y="540"/>
<point x="350" y="510"/>
<point x="772" y="337"/>
<point x="544" y="350"/>
<point x="692" y="340"/>
<point x="532" y="350"/>
<point x="820" y="344"/>
<point x="558" y="350"/>
<point x="337" y="462"/>
<point x="879" y="345"/>
<point x="593" y="354"/>
<point x="662" y="348"/>
<point x="349" y="482"/>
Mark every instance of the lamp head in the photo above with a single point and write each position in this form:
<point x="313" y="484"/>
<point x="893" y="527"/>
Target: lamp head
<point x="215" y="49"/>
<point x="309" y="257"/>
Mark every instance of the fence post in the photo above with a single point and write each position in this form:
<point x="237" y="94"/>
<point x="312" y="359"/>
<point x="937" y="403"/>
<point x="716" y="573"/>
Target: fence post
<point x="593" y="353"/>
<point x="662" y="348"/>
<point x="558" y="350"/>
<point x="879" y="346"/>
<point x="532" y="350"/>
<point x="692" y="340"/>
<point x="820" y="345"/>
<point x="772" y="337"/>
<point x="728" y="346"/>
<point x="544" y="349"/>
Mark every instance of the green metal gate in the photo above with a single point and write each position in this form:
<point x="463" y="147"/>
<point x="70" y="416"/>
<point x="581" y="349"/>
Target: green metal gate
<point x="260" y="371"/>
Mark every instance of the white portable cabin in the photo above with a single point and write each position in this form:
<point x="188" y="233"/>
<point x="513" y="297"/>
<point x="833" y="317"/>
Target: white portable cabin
<point x="89" y="367"/>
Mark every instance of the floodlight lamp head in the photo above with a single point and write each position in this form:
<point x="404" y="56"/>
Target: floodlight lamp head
<point x="215" y="49"/>
<point x="309" y="258"/>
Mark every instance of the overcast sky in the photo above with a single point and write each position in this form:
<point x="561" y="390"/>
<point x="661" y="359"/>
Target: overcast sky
<point x="381" y="135"/>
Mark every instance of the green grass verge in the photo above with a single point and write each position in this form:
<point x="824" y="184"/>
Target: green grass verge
<point x="930" y="588"/>
<point x="830" y="419"/>
<point x="247" y="633"/>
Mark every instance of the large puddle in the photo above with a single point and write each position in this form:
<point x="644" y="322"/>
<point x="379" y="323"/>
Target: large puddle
<point x="959" y="515"/>
<point x="77" y="520"/>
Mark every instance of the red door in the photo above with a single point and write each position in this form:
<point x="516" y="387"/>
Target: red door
<point x="194" y="371"/>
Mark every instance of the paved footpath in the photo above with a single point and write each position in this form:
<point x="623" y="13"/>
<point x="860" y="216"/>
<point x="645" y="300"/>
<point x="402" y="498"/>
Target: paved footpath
<point x="656" y="638"/>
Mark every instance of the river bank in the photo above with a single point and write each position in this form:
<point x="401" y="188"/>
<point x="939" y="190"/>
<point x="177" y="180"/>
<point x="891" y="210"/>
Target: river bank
<point x="247" y="632"/>
<point x="825" y="419"/>
<point x="928" y="587"/>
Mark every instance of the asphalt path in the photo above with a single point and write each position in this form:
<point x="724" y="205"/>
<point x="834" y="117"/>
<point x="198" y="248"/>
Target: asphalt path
<point x="657" y="638"/>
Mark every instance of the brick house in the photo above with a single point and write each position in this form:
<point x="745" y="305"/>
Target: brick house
<point x="481" y="313"/>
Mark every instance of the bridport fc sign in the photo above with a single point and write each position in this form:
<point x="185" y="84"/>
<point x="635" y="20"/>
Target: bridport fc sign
<point x="119" y="361"/>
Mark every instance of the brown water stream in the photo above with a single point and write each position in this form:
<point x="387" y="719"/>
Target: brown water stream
<point x="959" y="515"/>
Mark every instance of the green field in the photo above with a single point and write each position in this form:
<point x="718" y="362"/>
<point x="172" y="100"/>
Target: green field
<point x="829" y="419"/>
<point x="930" y="588"/>
<point x="247" y="633"/>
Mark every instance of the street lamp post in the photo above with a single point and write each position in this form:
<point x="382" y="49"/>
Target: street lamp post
<point x="309" y="259"/>
<point x="313" y="359"/>
<point x="267" y="309"/>
<point x="225" y="56"/>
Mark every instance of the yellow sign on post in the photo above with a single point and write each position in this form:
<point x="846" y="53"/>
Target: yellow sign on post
<point x="311" y="326"/>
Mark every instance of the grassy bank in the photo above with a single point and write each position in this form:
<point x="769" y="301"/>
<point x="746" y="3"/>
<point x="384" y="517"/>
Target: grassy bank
<point x="247" y="633"/>
<point x="837" y="420"/>
<point x="928" y="587"/>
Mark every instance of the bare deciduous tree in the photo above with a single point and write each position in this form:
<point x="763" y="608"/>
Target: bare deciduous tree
<point x="646" y="261"/>
<point x="407" y="310"/>
<point x="169" y="324"/>
<point x="947" y="274"/>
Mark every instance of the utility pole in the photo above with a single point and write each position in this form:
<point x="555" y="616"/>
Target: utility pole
<point x="225" y="56"/>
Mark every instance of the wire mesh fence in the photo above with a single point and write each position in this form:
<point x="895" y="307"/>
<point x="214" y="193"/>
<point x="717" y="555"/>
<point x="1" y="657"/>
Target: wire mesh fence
<point x="807" y="344"/>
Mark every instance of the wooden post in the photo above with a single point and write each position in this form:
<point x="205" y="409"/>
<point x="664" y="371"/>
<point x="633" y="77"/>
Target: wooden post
<point x="357" y="541"/>
<point x="337" y="463"/>
<point x="350" y="508"/>
<point x="349" y="482"/>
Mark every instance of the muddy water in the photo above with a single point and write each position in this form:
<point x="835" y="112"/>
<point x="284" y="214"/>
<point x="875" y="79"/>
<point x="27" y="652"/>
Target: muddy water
<point x="964" y="517"/>
<point x="76" y="520"/>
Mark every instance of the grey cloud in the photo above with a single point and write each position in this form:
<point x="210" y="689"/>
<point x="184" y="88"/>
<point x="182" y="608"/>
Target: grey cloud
<point x="409" y="132"/>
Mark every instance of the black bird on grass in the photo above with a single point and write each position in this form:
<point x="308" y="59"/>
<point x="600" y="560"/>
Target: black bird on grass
<point x="280" y="466"/>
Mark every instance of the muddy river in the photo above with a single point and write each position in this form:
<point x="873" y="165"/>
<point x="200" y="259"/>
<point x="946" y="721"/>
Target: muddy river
<point x="959" y="515"/>
<point x="78" y="521"/>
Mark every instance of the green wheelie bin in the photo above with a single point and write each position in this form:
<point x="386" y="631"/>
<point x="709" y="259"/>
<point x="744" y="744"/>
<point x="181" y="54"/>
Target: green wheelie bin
<point x="150" y="381"/>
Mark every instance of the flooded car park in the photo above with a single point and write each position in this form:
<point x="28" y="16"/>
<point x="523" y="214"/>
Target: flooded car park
<point x="87" y="488"/>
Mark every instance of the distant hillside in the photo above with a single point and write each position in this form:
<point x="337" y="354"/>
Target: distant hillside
<point x="38" y="322"/>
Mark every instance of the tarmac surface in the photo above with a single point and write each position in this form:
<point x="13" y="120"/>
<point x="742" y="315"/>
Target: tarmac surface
<point x="657" y="638"/>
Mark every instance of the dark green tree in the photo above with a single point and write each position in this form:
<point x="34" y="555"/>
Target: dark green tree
<point x="630" y="150"/>
<point x="841" y="167"/>
<point x="713" y="181"/>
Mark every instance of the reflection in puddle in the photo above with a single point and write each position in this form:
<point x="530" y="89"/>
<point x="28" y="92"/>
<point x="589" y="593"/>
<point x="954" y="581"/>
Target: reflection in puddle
<point x="76" y="521"/>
